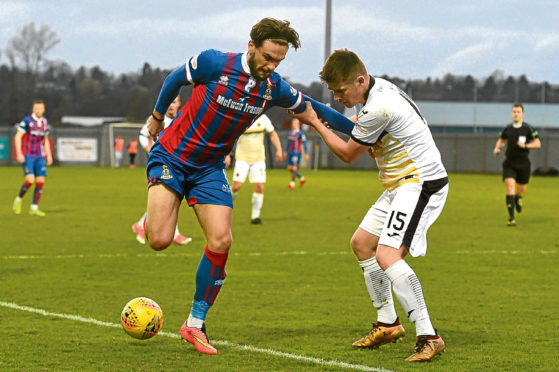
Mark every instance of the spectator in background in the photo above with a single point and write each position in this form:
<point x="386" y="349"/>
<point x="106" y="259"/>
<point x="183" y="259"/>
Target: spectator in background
<point x="132" y="151"/>
<point x="519" y="137"/>
<point x="119" y="147"/>
<point x="32" y="147"/>
<point x="296" y="142"/>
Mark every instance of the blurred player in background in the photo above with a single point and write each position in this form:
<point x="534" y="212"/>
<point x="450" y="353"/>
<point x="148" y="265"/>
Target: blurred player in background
<point x="32" y="147"/>
<point x="146" y="142"/>
<point x="118" y="147"/>
<point x="519" y="137"/>
<point x="296" y="142"/>
<point x="132" y="151"/>
<point x="393" y="130"/>
<point x="250" y="159"/>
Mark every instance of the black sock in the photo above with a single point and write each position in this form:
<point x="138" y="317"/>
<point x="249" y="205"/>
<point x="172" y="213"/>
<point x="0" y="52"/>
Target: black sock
<point x="510" y="205"/>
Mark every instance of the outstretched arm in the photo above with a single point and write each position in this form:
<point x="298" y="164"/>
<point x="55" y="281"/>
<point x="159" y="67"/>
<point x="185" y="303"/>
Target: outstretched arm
<point x="347" y="151"/>
<point x="336" y="120"/>
<point x="169" y="91"/>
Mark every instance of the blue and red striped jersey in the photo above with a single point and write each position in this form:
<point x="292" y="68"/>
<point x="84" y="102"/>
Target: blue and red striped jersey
<point x="296" y="139"/>
<point x="34" y="138"/>
<point x="224" y="102"/>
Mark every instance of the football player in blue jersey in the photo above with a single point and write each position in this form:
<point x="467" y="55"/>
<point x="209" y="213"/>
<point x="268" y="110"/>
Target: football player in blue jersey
<point x="187" y="160"/>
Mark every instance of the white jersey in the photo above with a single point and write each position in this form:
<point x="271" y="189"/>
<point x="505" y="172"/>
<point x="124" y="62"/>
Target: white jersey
<point x="250" y="146"/>
<point x="145" y="138"/>
<point x="402" y="143"/>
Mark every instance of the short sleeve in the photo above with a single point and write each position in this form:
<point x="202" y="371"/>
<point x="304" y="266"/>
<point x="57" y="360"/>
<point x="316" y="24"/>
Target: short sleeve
<point x="23" y="125"/>
<point x="533" y="132"/>
<point x="201" y="67"/>
<point x="268" y="126"/>
<point x="370" y="125"/>
<point x="503" y="134"/>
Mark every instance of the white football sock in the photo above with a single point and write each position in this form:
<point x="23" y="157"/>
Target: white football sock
<point x="194" y="322"/>
<point x="378" y="286"/>
<point x="177" y="230"/>
<point x="408" y="290"/>
<point x="142" y="220"/>
<point x="257" y="201"/>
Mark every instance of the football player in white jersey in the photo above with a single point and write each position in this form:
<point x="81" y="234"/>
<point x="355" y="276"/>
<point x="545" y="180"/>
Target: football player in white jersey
<point x="146" y="142"/>
<point x="391" y="128"/>
<point x="250" y="159"/>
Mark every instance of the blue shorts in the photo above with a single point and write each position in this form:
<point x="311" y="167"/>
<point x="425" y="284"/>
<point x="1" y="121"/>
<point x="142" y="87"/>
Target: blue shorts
<point x="205" y="185"/>
<point x="35" y="165"/>
<point x="294" y="159"/>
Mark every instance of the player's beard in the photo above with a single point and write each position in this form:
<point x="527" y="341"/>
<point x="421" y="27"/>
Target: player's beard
<point x="259" y="74"/>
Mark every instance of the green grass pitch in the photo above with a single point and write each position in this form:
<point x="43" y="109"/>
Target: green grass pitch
<point x="294" y="295"/>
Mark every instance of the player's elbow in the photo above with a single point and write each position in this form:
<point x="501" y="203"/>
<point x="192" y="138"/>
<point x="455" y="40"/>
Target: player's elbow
<point x="348" y="157"/>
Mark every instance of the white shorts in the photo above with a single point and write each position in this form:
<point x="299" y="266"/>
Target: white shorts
<point x="256" y="172"/>
<point x="403" y="216"/>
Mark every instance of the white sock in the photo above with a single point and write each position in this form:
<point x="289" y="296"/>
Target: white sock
<point x="378" y="286"/>
<point x="142" y="220"/>
<point x="194" y="322"/>
<point x="34" y="207"/>
<point x="408" y="290"/>
<point x="18" y="198"/>
<point x="257" y="201"/>
<point x="177" y="230"/>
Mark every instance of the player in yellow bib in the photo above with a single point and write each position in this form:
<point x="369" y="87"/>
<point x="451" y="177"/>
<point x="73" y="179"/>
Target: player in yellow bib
<point x="250" y="160"/>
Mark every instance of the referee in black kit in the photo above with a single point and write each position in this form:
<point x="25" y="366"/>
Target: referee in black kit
<point x="519" y="137"/>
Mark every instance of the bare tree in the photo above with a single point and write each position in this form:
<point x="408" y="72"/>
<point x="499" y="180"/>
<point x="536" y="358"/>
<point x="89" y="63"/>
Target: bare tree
<point x="28" y="47"/>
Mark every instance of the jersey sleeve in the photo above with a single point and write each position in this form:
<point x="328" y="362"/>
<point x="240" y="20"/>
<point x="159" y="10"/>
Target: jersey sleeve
<point x="335" y="120"/>
<point x="370" y="124"/>
<point x="268" y="126"/>
<point x="503" y="134"/>
<point x="23" y="125"/>
<point x="201" y="67"/>
<point x="304" y="141"/>
<point x="144" y="136"/>
<point x="289" y="97"/>
<point x="533" y="133"/>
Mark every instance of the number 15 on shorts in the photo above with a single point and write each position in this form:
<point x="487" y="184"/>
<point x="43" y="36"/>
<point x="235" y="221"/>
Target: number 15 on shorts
<point x="396" y="223"/>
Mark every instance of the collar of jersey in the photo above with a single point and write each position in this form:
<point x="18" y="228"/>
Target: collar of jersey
<point x="244" y="62"/>
<point x="35" y="117"/>
<point x="517" y="126"/>
<point x="371" y="84"/>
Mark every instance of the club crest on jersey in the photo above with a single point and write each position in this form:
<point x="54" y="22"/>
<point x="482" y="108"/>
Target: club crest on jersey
<point x="223" y="80"/>
<point x="166" y="175"/>
<point x="268" y="93"/>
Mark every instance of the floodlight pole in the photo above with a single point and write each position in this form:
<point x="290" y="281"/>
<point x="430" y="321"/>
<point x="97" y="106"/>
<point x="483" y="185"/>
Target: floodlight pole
<point x="327" y="46"/>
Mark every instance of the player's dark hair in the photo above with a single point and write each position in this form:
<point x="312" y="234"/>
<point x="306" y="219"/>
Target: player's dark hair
<point x="38" y="102"/>
<point x="518" y="105"/>
<point x="342" y="66"/>
<point x="274" y="30"/>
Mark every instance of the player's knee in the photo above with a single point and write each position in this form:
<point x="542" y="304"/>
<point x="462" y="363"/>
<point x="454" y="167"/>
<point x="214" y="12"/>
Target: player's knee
<point x="220" y="243"/>
<point x="158" y="242"/>
<point x="360" y="248"/>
